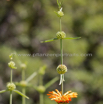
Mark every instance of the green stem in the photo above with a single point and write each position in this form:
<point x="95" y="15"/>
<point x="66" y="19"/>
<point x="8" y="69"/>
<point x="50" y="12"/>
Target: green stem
<point x="60" y="25"/>
<point x="41" y="98"/>
<point x="62" y="85"/>
<point x="23" y="75"/>
<point x="11" y="91"/>
<point x="10" y="97"/>
<point x="23" y="89"/>
<point x="11" y="75"/>
<point x="41" y="80"/>
<point x="61" y="49"/>
<point x="23" y="98"/>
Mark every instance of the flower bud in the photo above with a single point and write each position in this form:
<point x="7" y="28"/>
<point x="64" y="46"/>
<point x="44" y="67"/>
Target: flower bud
<point x="11" y="64"/>
<point x="60" y="35"/>
<point x="60" y="13"/>
<point x="11" y="86"/>
<point x="61" y="69"/>
<point x="41" y="89"/>
<point x="11" y="56"/>
<point x="42" y="70"/>
<point x="23" y="66"/>
<point x="23" y="83"/>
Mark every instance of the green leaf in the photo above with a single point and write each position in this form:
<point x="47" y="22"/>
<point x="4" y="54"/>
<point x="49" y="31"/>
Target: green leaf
<point x="49" y="40"/>
<point x="18" y="92"/>
<point x="51" y="82"/>
<point x="3" y="91"/>
<point x="31" y="77"/>
<point x="72" y="38"/>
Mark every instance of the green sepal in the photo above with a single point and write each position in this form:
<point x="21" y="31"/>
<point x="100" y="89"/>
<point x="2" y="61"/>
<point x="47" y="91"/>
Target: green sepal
<point x="18" y="92"/>
<point x="49" y="40"/>
<point x="51" y="82"/>
<point x="72" y="38"/>
<point x="3" y="91"/>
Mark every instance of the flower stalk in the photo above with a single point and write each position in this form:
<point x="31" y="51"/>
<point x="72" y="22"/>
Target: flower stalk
<point x="23" y="88"/>
<point x="60" y="97"/>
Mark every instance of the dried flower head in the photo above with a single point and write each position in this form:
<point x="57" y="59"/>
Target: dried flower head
<point x="59" y="98"/>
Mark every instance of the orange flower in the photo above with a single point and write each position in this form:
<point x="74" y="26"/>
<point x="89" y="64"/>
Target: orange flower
<point x="59" y="98"/>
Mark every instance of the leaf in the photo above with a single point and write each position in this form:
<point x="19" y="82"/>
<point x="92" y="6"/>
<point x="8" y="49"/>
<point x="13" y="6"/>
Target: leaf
<point x="72" y="38"/>
<point x="18" y="92"/>
<point x="3" y="91"/>
<point x="51" y="82"/>
<point x="31" y="77"/>
<point x="49" y="40"/>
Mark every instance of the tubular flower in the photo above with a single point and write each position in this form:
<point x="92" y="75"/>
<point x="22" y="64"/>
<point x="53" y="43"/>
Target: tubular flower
<point x="59" y="98"/>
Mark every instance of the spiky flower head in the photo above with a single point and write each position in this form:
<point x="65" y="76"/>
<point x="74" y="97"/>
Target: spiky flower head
<point x="11" y="64"/>
<point x="59" y="98"/>
<point x="60" y="35"/>
<point x="11" y="86"/>
<point x="61" y="69"/>
<point x="60" y="13"/>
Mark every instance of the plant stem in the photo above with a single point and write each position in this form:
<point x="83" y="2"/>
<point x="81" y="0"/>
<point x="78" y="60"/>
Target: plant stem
<point x="41" y="98"/>
<point x="10" y="97"/>
<point x="41" y="80"/>
<point x="11" y="76"/>
<point x="61" y="49"/>
<point x="23" y="98"/>
<point x="23" y="75"/>
<point x="23" y="89"/>
<point x="41" y="83"/>
<point x="60" y="25"/>
<point x="11" y="91"/>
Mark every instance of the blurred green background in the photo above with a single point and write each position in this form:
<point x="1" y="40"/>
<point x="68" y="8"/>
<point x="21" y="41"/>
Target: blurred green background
<point x="24" y="23"/>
